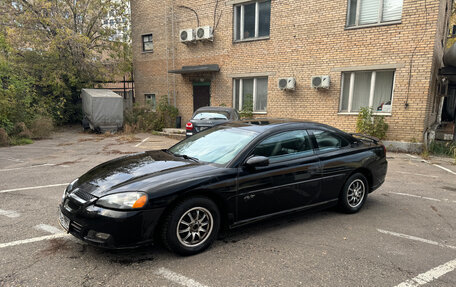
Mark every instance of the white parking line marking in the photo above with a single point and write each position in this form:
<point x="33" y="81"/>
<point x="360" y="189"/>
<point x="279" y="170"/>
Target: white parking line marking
<point x="445" y="169"/>
<point x="35" y="239"/>
<point x="401" y="235"/>
<point x="417" y="174"/>
<point x="177" y="278"/>
<point x="15" y="159"/>
<point x="33" y="166"/>
<point x="430" y="275"/>
<point x="412" y="156"/>
<point x="9" y="213"/>
<point x="143" y="141"/>
<point x="416" y="196"/>
<point x="48" y="228"/>
<point x="33" y="187"/>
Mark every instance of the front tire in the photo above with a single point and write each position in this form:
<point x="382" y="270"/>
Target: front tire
<point x="354" y="193"/>
<point x="191" y="226"/>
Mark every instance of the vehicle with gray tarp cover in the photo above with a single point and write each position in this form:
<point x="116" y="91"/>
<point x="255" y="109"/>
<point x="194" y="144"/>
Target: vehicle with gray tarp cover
<point x="102" y="109"/>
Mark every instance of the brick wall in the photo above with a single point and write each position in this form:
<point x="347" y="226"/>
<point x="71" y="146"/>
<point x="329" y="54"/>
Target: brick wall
<point x="307" y="38"/>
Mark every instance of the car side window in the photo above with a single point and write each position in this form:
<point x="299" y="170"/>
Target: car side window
<point x="328" y="141"/>
<point x="285" y="145"/>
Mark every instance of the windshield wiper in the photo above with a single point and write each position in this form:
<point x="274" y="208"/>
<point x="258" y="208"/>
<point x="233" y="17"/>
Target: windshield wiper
<point x="187" y="157"/>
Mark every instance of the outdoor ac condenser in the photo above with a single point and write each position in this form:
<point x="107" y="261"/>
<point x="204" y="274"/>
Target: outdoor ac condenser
<point x="287" y="83"/>
<point x="187" y="36"/>
<point x="320" y="82"/>
<point x="204" y="33"/>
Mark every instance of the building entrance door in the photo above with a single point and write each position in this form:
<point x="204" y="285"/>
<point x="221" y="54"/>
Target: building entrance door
<point x="201" y="95"/>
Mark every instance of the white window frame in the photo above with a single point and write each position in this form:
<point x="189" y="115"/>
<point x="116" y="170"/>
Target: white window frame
<point x="240" y="88"/>
<point x="143" y="43"/>
<point x="241" y="22"/>
<point x="380" y="16"/>
<point x="371" y="92"/>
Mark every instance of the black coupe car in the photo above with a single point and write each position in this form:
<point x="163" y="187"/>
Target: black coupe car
<point x="207" y="117"/>
<point x="229" y="175"/>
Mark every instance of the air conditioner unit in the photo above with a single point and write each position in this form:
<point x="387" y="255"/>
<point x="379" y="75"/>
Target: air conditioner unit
<point x="204" y="33"/>
<point x="187" y="36"/>
<point x="287" y="83"/>
<point x="320" y="82"/>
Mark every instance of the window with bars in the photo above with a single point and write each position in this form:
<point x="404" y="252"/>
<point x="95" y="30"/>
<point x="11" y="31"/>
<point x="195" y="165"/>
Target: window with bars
<point x="148" y="44"/>
<point x="250" y="94"/>
<point x="371" y="12"/>
<point x="252" y="20"/>
<point x="367" y="89"/>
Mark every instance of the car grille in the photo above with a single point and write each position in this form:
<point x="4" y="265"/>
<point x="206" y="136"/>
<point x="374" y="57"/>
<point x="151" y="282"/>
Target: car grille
<point x="84" y="195"/>
<point x="76" y="227"/>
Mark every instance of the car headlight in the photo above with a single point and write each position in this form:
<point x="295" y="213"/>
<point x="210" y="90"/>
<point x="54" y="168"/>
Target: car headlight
<point x="124" y="200"/>
<point x="68" y="188"/>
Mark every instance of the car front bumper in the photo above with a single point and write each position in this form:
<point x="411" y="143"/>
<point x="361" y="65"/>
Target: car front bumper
<point x="110" y="228"/>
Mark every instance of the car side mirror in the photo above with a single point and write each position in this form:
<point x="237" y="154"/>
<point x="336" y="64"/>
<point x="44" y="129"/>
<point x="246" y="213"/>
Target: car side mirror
<point x="257" y="161"/>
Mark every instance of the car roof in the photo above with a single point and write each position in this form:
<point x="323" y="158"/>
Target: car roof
<point x="273" y="124"/>
<point x="213" y="109"/>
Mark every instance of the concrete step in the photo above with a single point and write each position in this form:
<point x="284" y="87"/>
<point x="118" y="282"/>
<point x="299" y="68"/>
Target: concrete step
<point x="174" y="131"/>
<point x="173" y="134"/>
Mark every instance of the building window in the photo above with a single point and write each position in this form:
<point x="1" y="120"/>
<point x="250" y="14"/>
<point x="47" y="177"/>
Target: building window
<point x="369" y="12"/>
<point x="150" y="100"/>
<point x="367" y="89"/>
<point x="252" y="20"/>
<point x="250" y="94"/>
<point x="148" y="44"/>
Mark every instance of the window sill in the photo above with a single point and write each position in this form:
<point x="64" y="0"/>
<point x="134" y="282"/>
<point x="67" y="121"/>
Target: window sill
<point x="252" y="39"/>
<point x="355" y="114"/>
<point x="260" y="113"/>
<point x="147" y="52"/>
<point x="373" y="25"/>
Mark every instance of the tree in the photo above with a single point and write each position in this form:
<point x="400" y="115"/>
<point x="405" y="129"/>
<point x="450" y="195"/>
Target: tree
<point x="64" y="45"/>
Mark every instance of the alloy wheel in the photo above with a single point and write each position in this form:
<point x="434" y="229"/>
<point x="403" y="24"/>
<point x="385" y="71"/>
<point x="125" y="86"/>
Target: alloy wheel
<point x="356" y="192"/>
<point x="194" y="227"/>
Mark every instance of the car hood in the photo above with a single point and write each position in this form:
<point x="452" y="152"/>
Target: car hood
<point x="137" y="172"/>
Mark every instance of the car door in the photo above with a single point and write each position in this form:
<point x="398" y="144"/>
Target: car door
<point x="335" y="156"/>
<point x="289" y="181"/>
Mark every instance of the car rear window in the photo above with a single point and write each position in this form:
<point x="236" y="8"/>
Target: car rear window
<point x="212" y="116"/>
<point x="329" y="141"/>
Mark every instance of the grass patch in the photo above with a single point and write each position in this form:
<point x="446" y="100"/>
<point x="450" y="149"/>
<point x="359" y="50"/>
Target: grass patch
<point x="443" y="149"/>
<point x="20" y="141"/>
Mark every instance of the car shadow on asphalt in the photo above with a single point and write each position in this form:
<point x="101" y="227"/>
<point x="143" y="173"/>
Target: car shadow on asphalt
<point x="156" y="252"/>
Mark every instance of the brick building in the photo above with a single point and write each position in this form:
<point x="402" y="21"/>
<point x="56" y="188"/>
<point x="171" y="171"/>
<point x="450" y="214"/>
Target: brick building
<point x="382" y="53"/>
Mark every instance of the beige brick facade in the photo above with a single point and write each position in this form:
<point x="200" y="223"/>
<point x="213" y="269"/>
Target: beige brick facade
<point x="307" y="38"/>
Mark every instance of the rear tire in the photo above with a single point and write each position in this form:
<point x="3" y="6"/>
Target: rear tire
<point x="354" y="193"/>
<point x="191" y="226"/>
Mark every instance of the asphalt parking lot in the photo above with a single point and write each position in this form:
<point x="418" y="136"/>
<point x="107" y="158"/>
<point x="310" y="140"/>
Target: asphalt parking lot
<point x="404" y="236"/>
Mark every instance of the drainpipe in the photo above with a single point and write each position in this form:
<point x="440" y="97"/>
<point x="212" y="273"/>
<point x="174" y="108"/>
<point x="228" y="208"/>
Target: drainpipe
<point x="429" y="134"/>
<point x="167" y="50"/>
<point x="173" y="42"/>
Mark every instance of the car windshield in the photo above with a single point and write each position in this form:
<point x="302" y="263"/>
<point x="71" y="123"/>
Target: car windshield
<point x="217" y="145"/>
<point x="211" y="116"/>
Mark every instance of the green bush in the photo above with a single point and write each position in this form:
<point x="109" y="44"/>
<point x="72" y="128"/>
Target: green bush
<point x="146" y="118"/>
<point x="21" y="131"/>
<point x="370" y="124"/>
<point x="41" y="127"/>
<point x="247" y="107"/>
<point x="3" y="137"/>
